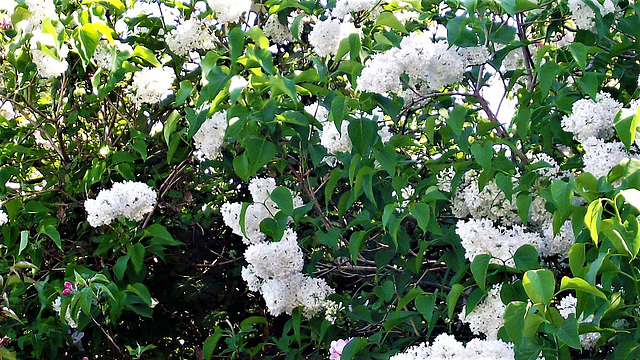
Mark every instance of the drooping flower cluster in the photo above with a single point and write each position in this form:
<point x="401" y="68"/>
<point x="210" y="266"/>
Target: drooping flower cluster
<point x="591" y="118"/>
<point x="490" y="202"/>
<point x="486" y="317"/>
<point x="568" y="305"/>
<point x="429" y="65"/>
<point x="132" y="200"/>
<point x="334" y="140"/>
<point x="481" y="236"/>
<point x="103" y="57"/>
<point x="274" y="268"/>
<point x="151" y="85"/>
<point x="229" y="11"/>
<point x="327" y="34"/>
<point x="48" y="66"/>
<point x="446" y="347"/>
<point x="210" y="137"/>
<point x="584" y="16"/>
<point x="191" y="35"/>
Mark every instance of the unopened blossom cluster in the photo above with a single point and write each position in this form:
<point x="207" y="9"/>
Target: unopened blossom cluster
<point x="429" y="65"/>
<point x="568" y="306"/>
<point x="446" y="347"/>
<point x="210" y="137"/>
<point x="584" y="16"/>
<point x="190" y="35"/>
<point x="326" y="35"/>
<point x="486" y="317"/>
<point x="129" y="199"/>
<point x="229" y="11"/>
<point x="274" y="268"/>
<point x="151" y="85"/>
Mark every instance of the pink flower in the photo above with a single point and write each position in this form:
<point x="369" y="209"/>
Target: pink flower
<point x="85" y="358"/>
<point x="336" y="348"/>
<point x="68" y="285"/>
<point x="66" y="292"/>
<point x="5" y="23"/>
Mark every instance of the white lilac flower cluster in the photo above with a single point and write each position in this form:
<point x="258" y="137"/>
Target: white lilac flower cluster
<point x="190" y="35"/>
<point x="48" y="66"/>
<point x="278" y="33"/>
<point x="132" y="200"/>
<point x="345" y="7"/>
<point x="490" y="202"/>
<point x="481" y="236"/>
<point x="486" y="317"/>
<point x="406" y="194"/>
<point x="591" y="123"/>
<point x="591" y="118"/>
<point x="151" y="85"/>
<point x="40" y="10"/>
<point x="4" y="218"/>
<point x="274" y="268"/>
<point x="584" y="16"/>
<point x="429" y="65"/>
<point x="103" y="57"/>
<point x="230" y="11"/>
<point x="210" y="137"/>
<point x="446" y="347"/>
<point x="326" y="35"/>
<point x="568" y="306"/>
<point x="6" y="111"/>
<point x="57" y="306"/>
<point x="331" y="138"/>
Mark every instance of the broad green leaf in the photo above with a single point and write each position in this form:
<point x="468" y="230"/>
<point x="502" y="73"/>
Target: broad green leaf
<point x="24" y="240"/>
<point x="387" y="18"/>
<point x="452" y="299"/>
<point x="580" y="285"/>
<point x="282" y="197"/>
<point x="120" y="266"/>
<point x="146" y="55"/>
<point x="593" y="219"/>
<point x="136" y="254"/>
<point x="479" y="267"/>
<point x="626" y="125"/>
<point x="159" y="232"/>
<point x="422" y="213"/>
<point x="568" y="332"/>
<point x="539" y="285"/>
<point x="579" y="53"/>
<point x="526" y="258"/>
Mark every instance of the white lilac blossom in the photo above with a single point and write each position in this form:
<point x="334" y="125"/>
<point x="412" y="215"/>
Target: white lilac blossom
<point x="385" y="133"/>
<point x="327" y="34"/>
<point x="104" y="57"/>
<point x="4" y="218"/>
<point x="404" y="199"/>
<point x="40" y="10"/>
<point x="490" y="202"/>
<point x="132" y="200"/>
<point x="210" y="137"/>
<point x="445" y="177"/>
<point x="278" y="259"/>
<point x="274" y="30"/>
<point x="558" y="244"/>
<point x="48" y="66"/>
<point x="429" y="65"/>
<point x="568" y="306"/>
<point x="591" y="118"/>
<point x="284" y="295"/>
<point x="446" y="347"/>
<point x="333" y="140"/>
<point x="57" y="306"/>
<point x="151" y="85"/>
<point x="6" y="111"/>
<point x="190" y="35"/>
<point x="230" y="11"/>
<point x="584" y="16"/>
<point x="481" y="236"/>
<point x="332" y="310"/>
<point x="345" y="7"/>
<point x="486" y="317"/>
<point x="548" y="166"/>
<point x="601" y="156"/>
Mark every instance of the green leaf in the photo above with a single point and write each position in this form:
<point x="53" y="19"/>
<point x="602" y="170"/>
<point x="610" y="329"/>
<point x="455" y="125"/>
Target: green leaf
<point x="236" y="43"/>
<point x="483" y="154"/>
<point x="282" y="197"/>
<point x="593" y="219"/>
<point x="159" y="232"/>
<point x="259" y="153"/>
<point x="539" y="285"/>
<point x="186" y="87"/>
<point x="568" y="332"/>
<point x="514" y="6"/>
<point x="210" y="344"/>
<point x="422" y="213"/>
<point x="452" y="299"/>
<point x="136" y="253"/>
<point x="526" y="258"/>
<point x="146" y="55"/>
<point x="456" y="119"/>
<point x="120" y="266"/>
<point x="24" y="240"/>
<point x="387" y="18"/>
<point x="579" y="53"/>
<point x="385" y="291"/>
<point x="361" y="133"/>
<point x="89" y="38"/>
<point x="53" y="233"/>
<point x="241" y="167"/>
<point x="626" y="125"/>
<point x="632" y="197"/>
<point x="353" y="347"/>
<point x="479" y="267"/>
<point x="580" y="285"/>
<point x="356" y="241"/>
